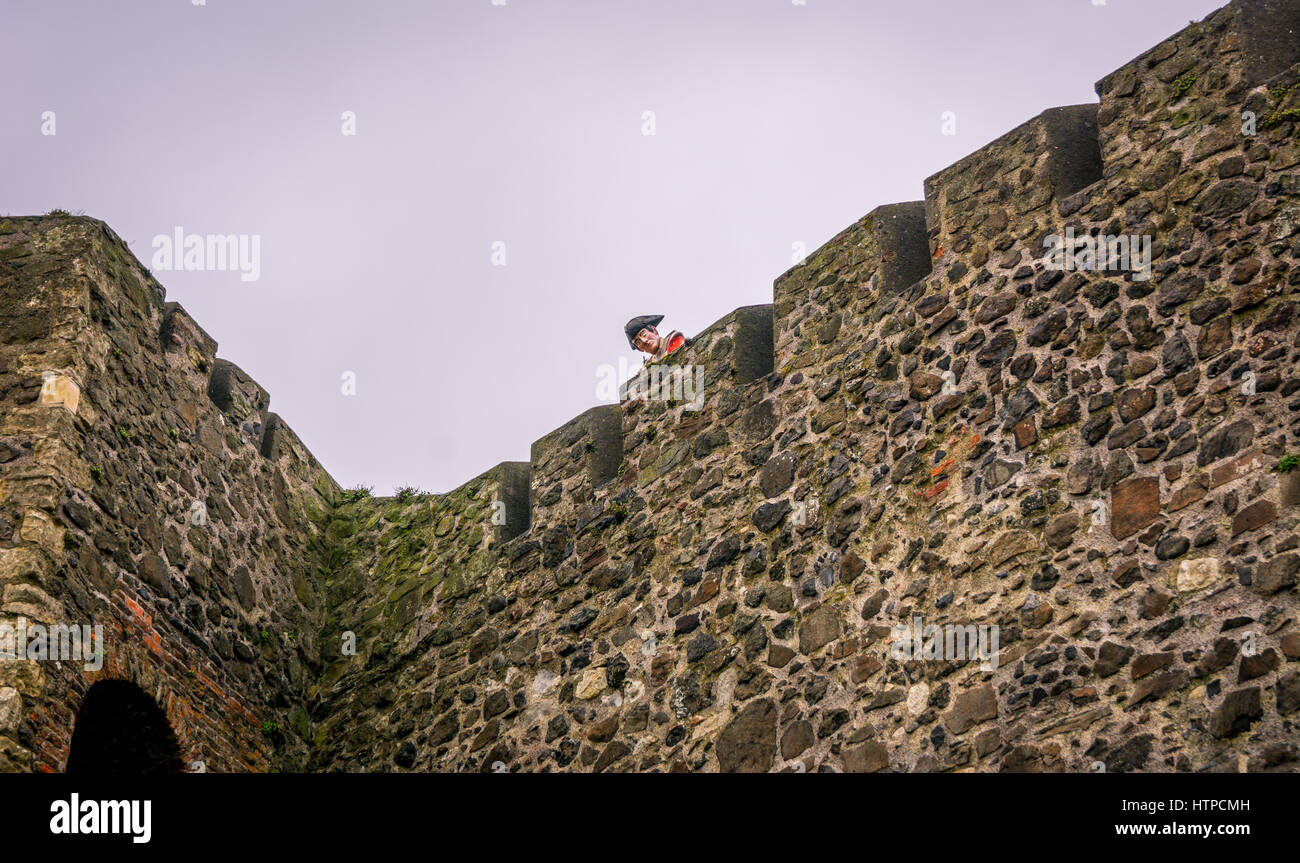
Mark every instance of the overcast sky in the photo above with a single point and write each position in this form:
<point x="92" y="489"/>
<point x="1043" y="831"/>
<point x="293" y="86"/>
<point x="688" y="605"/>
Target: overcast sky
<point x="523" y="124"/>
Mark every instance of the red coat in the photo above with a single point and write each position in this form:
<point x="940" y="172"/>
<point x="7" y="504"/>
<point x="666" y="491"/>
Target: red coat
<point x="668" y="344"/>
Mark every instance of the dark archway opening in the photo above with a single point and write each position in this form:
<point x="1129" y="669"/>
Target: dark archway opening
<point x="120" y="729"/>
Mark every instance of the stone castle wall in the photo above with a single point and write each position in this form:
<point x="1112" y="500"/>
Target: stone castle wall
<point x="926" y="422"/>
<point x="145" y="488"/>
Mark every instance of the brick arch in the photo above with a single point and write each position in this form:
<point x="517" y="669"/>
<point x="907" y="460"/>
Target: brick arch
<point x="120" y="728"/>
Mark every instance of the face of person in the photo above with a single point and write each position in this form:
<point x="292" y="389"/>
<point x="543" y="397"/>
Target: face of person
<point x="648" y="340"/>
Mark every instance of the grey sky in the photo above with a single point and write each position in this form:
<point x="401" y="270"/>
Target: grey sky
<point x="522" y="123"/>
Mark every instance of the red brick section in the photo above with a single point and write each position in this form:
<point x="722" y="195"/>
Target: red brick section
<point x="211" y="722"/>
<point x="1134" y="504"/>
<point x="1236" y="469"/>
<point x="961" y="447"/>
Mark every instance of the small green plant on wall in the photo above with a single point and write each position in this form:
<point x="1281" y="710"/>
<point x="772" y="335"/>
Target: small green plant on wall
<point x="355" y="495"/>
<point x="1288" y="463"/>
<point x="1280" y="115"/>
<point x="1183" y="84"/>
<point x="407" y="493"/>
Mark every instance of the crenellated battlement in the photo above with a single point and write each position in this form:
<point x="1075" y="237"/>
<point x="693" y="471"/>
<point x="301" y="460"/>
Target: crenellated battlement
<point x="930" y="419"/>
<point x="152" y="494"/>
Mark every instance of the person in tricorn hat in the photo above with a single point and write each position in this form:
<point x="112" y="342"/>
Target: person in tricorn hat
<point x="642" y="335"/>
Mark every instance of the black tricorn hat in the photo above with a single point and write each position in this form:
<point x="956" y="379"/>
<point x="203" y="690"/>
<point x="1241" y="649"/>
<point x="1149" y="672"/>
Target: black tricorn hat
<point x="637" y="324"/>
